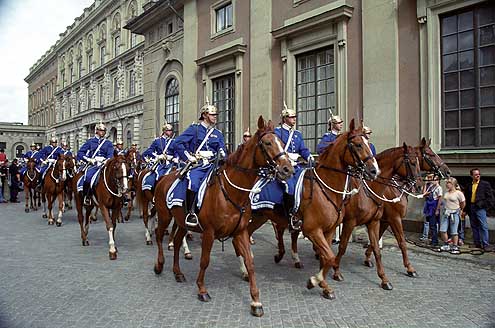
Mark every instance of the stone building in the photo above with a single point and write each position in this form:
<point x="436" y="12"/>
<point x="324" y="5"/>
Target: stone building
<point x="16" y="138"/>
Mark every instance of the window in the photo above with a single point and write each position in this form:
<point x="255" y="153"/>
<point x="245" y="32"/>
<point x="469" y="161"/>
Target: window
<point x="172" y="103"/>
<point x="132" y="83"/>
<point x="170" y="28"/>
<point x="223" y="17"/>
<point x="468" y="77"/>
<point x="62" y="77"/>
<point x="224" y="100"/>
<point x="129" y="138"/>
<point x="116" y="45"/>
<point x="315" y="94"/>
<point x="102" y="96"/>
<point x="115" y="89"/>
<point x="71" y="70"/>
<point x="3" y="145"/>
<point x="19" y="150"/>
<point x="102" y="55"/>
<point x="79" y="68"/>
<point x="88" y="99"/>
<point x="90" y="61"/>
<point x="133" y="39"/>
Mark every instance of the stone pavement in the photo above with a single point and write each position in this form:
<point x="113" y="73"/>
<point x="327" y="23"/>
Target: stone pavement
<point x="47" y="279"/>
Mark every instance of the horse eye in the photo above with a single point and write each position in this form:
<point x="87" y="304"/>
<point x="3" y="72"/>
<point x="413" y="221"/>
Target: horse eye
<point x="359" y="146"/>
<point x="268" y="143"/>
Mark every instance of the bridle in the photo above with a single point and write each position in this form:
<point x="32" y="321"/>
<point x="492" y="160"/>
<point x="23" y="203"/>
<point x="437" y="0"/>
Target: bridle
<point x="434" y="167"/>
<point x="116" y="180"/>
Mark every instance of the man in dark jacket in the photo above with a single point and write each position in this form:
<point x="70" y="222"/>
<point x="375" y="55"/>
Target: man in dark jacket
<point x="14" y="181"/>
<point x="479" y="198"/>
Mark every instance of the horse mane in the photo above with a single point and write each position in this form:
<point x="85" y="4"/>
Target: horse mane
<point x="325" y="153"/>
<point x="387" y="152"/>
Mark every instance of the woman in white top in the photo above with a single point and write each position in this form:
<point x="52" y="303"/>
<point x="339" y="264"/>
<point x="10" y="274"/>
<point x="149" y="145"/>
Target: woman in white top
<point x="454" y="204"/>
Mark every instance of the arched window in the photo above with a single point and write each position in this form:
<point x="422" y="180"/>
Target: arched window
<point x="172" y="103"/>
<point x="129" y="138"/>
<point x="19" y="150"/>
<point x="113" y="134"/>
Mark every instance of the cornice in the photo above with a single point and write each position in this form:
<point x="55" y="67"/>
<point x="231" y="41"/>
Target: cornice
<point x="153" y="13"/>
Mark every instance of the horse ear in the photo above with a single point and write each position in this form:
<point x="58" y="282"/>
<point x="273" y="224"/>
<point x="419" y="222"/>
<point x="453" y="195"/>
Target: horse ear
<point x="404" y="146"/>
<point x="429" y="142"/>
<point x="423" y="142"/>
<point x="261" y="123"/>
<point x="352" y="125"/>
<point x="270" y="125"/>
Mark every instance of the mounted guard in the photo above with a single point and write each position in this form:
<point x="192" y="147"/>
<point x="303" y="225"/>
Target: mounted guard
<point x="46" y="157"/>
<point x="65" y="149"/>
<point x="119" y="148"/>
<point x="198" y="146"/>
<point x="94" y="153"/>
<point x="278" y="193"/>
<point x="29" y="155"/>
<point x="335" y="125"/>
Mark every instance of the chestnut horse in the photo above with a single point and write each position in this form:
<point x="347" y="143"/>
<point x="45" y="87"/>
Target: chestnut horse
<point x="225" y="211"/>
<point x="53" y="187"/>
<point x="135" y="168"/>
<point x="394" y="212"/>
<point x="109" y="190"/>
<point x="30" y="181"/>
<point x="322" y="201"/>
<point x="70" y="166"/>
<point x="367" y="206"/>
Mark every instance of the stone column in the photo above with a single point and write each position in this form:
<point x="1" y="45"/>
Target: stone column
<point x="119" y="131"/>
<point x="137" y="131"/>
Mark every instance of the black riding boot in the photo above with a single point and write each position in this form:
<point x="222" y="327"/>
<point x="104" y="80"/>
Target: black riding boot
<point x="87" y="194"/>
<point x="295" y="223"/>
<point x="191" y="217"/>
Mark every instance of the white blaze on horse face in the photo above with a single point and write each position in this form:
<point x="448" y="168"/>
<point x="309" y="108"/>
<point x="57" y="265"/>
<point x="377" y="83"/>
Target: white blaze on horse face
<point x="124" y="173"/>
<point x="373" y="160"/>
<point x="64" y="175"/>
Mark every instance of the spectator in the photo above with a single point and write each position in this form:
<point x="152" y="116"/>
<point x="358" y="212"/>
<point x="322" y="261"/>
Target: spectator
<point x="432" y="208"/>
<point x="454" y="204"/>
<point x="479" y="198"/>
<point x="14" y="181"/>
<point x="426" y="223"/>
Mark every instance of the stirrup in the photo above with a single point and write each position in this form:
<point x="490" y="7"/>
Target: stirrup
<point x="87" y="200"/>
<point x="295" y="223"/>
<point x="192" y="219"/>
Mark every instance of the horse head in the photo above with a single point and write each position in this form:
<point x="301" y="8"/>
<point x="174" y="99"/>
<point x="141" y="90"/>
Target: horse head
<point x="70" y="166"/>
<point x="118" y="173"/>
<point x="31" y="166"/>
<point x="59" y="170"/>
<point x="430" y="161"/>
<point x="354" y="152"/>
<point x="270" y="150"/>
<point x="409" y="168"/>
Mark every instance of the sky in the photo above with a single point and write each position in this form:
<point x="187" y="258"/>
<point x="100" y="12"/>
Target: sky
<point x="28" y="28"/>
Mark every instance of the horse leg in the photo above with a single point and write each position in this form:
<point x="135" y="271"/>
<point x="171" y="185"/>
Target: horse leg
<point x="206" y="245"/>
<point x="279" y="235"/>
<point x="61" y="207"/>
<point x="163" y="222"/>
<point x="322" y="243"/>
<point x="171" y="236"/>
<point x="294" y="236"/>
<point x="242" y="246"/>
<point x="43" y="199"/>
<point x="187" y="251"/>
<point x="26" y="193"/>
<point x="369" y="250"/>
<point x="147" y="233"/>
<point x="112" y="252"/>
<point x="373" y="231"/>
<point x="50" y="200"/>
<point x="179" y="236"/>
<point x="129" y="207"/>
<point x="84" y="228"/>
<point x="396" y="225"/>
<point x="348" y="227"/>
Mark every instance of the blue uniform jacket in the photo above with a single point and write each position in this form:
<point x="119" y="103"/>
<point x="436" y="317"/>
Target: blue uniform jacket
<point x="157" y="147"/>
<point x="29" y="154"/>
<point x="192" y="138"/>
<point x="48" y="152"/>
<point x="66" y="152"/>
<point x="325" y="141"/>
<point x="88" y="149"/>
<point x="297" y="143"/>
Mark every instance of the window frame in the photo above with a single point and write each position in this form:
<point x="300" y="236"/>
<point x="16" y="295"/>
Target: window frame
<point x="214" y="9"/>
<point x="172" y="102"/>
<point x="224" y="124"/>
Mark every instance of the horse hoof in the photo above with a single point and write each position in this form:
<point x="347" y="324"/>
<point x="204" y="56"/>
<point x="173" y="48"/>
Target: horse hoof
<point x="170" y="247"/>
<point x="149" y="242"/>
<point x="166" y="233"/>
<point x="338" y="277"/>
<point x="158" y="269"/>
<point x="298" y="265"/>
<point x="179" y="277"/>
<point x="277" y="258"/>
<point x="59" y="224"/>
<point x="44" y="216"/>
<point x="309" y="285"/>
<point x="26" y="210"/>
<point x="189" y="237"/>
<point x="126" y="218"/>
<point x="317" y="256"/>
<point x="50" y="222"/>
<point x="245" y="277"/>
<point x="257" y="311"/>
<point x="112" y="255"/>
<point x="412" y="274"/>
<point x="204" y="297"/>
<point x="387" y="286"/>
<point x="369" y="264"/>
<point x="85" y="243"/>
<point x="188" y="256"/>
<point x="329" y="295"/>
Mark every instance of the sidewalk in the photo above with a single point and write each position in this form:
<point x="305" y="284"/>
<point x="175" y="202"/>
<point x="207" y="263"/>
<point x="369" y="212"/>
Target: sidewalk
<point x="476" y="256"/>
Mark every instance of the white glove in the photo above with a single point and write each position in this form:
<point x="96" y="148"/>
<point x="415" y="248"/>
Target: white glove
<point x="311" y="158"/>
<point x="169" y="157"/>
<point x="191" y="158"/>
<point x="100" y="158"/>
<point x="222" y="153"/>
<point x="51" y="160"/>
<point x="92" y="161"/>
<point x="175" y="160"/>
<point x="44" y="162"/>
<point x="161" y="157"/>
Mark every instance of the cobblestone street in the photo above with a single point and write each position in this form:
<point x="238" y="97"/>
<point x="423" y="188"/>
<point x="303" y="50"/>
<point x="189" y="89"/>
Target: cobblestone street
<point x="47" y="279"/>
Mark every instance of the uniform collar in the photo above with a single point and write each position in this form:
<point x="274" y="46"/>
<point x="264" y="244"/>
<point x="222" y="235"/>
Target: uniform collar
<point x="335" y="132"/>
<point x="287" y="127"/>
<point x="206" y="125"/>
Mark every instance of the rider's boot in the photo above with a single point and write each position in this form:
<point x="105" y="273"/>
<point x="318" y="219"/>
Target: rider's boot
<point x="87" y="194"/>
<point x="295" y="222"/>
<point x="191" y="217"/>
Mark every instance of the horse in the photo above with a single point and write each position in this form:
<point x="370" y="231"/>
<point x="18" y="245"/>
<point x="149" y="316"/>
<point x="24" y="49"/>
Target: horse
<point x="135" y="168"/>
<point x="30" y="181"/>
<point x="109" y="190"/>
<point x="393" y="213"/>
<point x="225" y="211"/>
<point x="53" y="187"/>
<point x="322" y="203"/>
<point x="70" y="166"/>
<point x="367" y="206"/>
